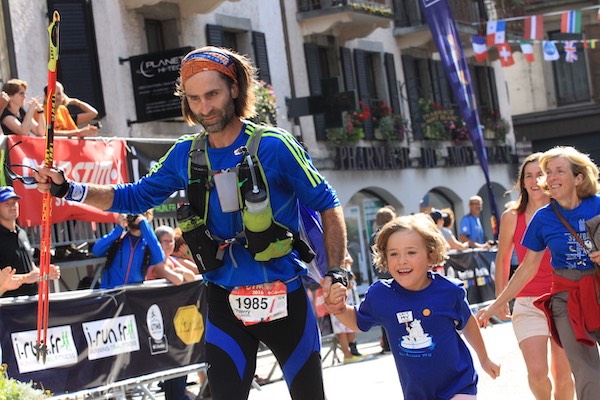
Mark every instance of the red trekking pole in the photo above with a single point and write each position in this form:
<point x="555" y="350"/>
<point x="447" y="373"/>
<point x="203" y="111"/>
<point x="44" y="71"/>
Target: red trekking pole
<point x="46" y="238"/>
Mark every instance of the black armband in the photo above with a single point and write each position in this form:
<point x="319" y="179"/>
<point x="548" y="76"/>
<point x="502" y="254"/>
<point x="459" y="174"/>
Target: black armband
<point x="340" y="276"/>
<point x="60" y="190"/>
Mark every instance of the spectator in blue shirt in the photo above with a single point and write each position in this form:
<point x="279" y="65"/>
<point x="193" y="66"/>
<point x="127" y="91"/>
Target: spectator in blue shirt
<point x="128" y="253"/>
<point x="471" y="229"/>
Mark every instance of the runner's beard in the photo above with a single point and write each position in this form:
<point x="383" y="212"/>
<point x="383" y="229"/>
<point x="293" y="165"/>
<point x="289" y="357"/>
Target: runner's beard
<point x="223" y="118"/>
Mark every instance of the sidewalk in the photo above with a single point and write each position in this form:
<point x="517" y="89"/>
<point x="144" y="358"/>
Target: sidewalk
<point x="376" y="377"/>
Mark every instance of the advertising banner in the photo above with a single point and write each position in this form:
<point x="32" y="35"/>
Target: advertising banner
<point x="88" y="161"/>
<point x="96" y="338"/>
<point x="145" y="154"/>
<point x="476" y="270"/>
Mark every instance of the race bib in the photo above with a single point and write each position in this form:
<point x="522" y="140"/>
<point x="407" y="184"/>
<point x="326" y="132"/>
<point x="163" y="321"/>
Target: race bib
<point x="259" y="303"/>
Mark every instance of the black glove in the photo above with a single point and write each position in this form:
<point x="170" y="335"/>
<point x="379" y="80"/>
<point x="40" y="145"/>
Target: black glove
<point x="60" y="189"/>
<point x="339" y="275"/>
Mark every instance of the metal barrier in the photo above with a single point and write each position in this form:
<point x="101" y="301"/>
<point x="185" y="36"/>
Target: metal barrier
<point x="140" y="385"/>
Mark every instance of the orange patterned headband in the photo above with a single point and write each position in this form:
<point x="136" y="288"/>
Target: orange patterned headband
<point x="207" y="60"/>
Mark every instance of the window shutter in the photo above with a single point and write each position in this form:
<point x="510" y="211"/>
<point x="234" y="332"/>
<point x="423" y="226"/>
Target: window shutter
<point x="390" y="72"/>
<point x="214" y="35"/>
<point x="360" y="62"/>
<point x="412" y="88"/>
<point x="441" y="88"/>
<point x="347" y="72"/>
<point x="313" y="68"/>
<point x="78" y="68"/>
<point x="594" y="61"/>
<point x="261" y="58"/>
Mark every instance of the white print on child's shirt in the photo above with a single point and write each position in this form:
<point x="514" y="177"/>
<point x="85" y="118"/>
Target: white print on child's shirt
<point x="417" y="343"/>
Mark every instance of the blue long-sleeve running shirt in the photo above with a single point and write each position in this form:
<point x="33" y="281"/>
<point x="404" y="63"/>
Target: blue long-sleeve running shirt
<point x="291" y="178"/>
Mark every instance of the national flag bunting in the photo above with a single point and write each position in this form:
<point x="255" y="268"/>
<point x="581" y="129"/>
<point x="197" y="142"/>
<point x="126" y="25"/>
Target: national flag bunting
<point x="479" y="48"/>
<point x="570" y="22"/>
<point x="534" y="28"/>
<point x="506" y="58"/>
<point x="496" y="32"/>
<point x="550" y="51"/>
<point x="570" y="51"/>
<point x="527" y="49"/>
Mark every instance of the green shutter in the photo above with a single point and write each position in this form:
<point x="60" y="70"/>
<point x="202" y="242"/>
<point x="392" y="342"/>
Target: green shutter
<point x="347" y="72"/>
<point x="390" y="72"/>
<point x="214" y="35"/>
<point x="412" y="88"/>
<point x="313" y="68"/>
<point x="261" y="58"/>
<point x="78" y="67"/>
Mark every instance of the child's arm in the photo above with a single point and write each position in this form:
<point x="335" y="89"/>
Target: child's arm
<point x="347" y="314"/>
<point x="474" y="338"/>
<point x="348" y="318"/>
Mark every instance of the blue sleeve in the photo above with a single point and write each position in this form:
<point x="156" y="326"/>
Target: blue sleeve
<point x="157" y="254"/>
<point x="100" y="248"/>
<point x="463" y="311"/>
<point x="465" y="226"/>
<point x="292" y="165"/>
<point x="167" y="176"/>
<point x="365" y="313"/>
<point x="533" y="238"/>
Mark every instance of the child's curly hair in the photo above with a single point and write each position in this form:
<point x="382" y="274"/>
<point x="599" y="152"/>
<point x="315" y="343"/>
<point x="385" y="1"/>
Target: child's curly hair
<point x="419" y="223"/>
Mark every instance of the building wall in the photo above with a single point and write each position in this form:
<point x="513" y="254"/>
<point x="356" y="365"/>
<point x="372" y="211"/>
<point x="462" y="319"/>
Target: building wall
<point x="120" y="34"/>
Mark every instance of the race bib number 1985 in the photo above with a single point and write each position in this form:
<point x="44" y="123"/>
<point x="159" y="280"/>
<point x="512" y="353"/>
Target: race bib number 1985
<point x="259" y="303"/>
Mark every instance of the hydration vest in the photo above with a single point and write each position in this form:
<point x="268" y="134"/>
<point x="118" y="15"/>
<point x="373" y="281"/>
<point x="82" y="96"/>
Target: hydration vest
<point x="267" y="240"/>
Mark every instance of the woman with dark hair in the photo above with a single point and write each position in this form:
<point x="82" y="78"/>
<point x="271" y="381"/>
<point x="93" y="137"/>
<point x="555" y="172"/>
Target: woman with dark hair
<point x="529" y="322"/>
<point x="571" y="180"/>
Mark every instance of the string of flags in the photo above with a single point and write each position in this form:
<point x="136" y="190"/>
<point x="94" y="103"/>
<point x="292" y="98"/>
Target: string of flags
<point x="533" y="32"/>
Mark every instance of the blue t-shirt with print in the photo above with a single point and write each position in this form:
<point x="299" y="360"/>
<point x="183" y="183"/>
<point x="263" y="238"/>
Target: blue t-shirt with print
<point x="432" y="360"/>
<point x="546" y="230"/>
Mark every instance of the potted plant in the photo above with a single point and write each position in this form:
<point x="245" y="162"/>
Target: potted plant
<point x="496" y="127"/>
<point x="437" y="121"/>
<point x="352" y="130"/>
<point x="391" y="128"/>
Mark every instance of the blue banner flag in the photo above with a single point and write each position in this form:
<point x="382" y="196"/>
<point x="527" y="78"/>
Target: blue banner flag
<point x="443" y="30"/>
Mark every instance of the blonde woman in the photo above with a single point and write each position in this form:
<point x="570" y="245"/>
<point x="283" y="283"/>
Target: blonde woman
<point x="571" y="180"/>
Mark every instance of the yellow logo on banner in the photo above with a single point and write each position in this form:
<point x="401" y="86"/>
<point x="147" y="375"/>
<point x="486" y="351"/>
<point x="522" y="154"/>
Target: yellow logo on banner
<point x="189" y="325"/>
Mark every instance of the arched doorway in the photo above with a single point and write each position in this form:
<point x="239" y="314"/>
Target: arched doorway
<point x="359" y="213"/>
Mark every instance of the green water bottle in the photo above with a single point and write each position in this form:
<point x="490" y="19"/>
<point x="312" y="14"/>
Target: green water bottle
<point x="258" y="215"/>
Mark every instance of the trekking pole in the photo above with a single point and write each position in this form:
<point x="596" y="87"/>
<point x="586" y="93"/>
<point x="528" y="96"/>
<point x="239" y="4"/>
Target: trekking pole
<point x="45" y="241"/>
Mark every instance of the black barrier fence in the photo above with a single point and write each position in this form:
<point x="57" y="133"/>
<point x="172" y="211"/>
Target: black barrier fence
<point x="99" y="337"/>
<point x="476" y="269"/>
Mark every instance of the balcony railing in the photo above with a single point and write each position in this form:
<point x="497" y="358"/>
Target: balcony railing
<point x="377" y="7"/>
<point x="346" y="19"/>
<point x="407" y="13"/>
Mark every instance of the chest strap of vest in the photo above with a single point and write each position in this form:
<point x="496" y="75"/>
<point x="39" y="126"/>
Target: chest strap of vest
<point x="264" y="237"/>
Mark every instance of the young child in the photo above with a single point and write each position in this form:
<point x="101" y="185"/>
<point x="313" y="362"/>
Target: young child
<point x="421" y="313"/>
